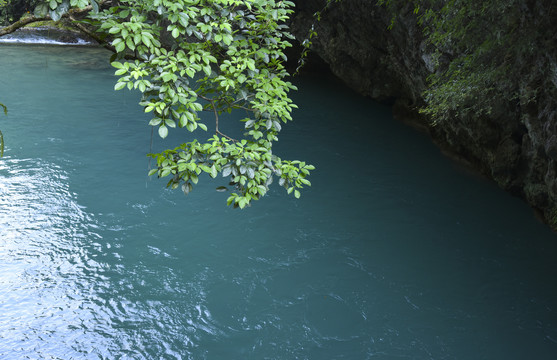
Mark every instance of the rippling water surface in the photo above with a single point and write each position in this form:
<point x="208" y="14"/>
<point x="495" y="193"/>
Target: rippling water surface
<point x="394" y="253"/>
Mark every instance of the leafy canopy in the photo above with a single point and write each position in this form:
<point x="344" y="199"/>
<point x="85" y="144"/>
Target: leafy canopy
<point x="218" y="56"/>
<point x="484" y="53"/>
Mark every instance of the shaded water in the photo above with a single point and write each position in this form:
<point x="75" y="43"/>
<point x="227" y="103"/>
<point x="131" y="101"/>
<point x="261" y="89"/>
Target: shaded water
<point x="394" y="253"/>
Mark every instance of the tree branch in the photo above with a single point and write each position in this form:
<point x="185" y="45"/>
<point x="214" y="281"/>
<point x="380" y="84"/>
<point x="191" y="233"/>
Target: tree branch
<point x="21" y="23"/>
<point x="217" y="122"/>
<point x="71" y="14"/>
<point x="31" y="19"/>
<point x="91" y="34"/>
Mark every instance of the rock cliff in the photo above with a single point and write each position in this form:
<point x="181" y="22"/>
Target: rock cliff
<point x="516" y="145"/>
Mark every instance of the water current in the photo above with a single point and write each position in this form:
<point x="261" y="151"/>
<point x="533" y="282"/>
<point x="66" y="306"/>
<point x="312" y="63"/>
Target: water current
<point x="395" y="252"/>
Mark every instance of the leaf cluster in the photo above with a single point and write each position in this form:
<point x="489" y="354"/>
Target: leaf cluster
<point x="249" y="167"/>
<point x="187" y="57"/>
<point x="56" y="8"/>
<point x="483" y="53"/>
<point x="475" y="48"/>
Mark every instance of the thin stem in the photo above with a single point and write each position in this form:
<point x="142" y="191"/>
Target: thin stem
<point x="91" y="34"/>
<point x="217" y="121"/>
<point x="150" y="148"/>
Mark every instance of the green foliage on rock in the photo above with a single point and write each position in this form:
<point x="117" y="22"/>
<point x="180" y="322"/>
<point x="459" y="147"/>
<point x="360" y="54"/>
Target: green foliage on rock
<point x="484" y="53"/>
<point x="216" y="56"/>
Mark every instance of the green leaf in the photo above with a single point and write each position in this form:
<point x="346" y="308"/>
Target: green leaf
<point x="167" y="77"/>
<point x="163" y="131"/>
<point x="186" y="188"/>
<point x="119" y="86"/>
<point x="120" y="46"/>
<point x="41" y="10"/>
<point x="63" y="7"/>
<point x="130" y="43"/>
<point x="155" y="121"/>
<point x="170" y="123"/>
<point x="95" y="6"/>
<point x="55" y="15"/>
<point x="117" y="65"/>
<point x="146" y="40"/>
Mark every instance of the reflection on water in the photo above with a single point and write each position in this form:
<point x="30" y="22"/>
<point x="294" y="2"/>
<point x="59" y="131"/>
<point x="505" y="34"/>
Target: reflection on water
<point x="48" y="266"/>
<point x="57" y="297"/>
<point x="393" y="253"/>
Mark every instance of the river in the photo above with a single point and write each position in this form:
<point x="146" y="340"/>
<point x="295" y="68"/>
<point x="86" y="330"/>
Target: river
<point x="395" y="252"/>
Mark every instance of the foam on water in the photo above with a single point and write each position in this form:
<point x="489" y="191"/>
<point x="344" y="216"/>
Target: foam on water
<point x="40" y="41"/>
<point x="43" y="36"/>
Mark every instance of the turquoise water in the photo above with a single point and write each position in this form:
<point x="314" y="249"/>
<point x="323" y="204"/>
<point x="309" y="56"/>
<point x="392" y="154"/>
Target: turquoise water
<point x="394" y="253"/>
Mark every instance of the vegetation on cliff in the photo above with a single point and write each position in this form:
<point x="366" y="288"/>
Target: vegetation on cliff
<point x="493" y="86"/>
<point x="482" y="52"/>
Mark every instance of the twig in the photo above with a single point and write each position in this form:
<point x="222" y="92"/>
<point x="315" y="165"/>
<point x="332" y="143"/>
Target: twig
<point x="217" y="121"/>
<point x="91" y="34"/>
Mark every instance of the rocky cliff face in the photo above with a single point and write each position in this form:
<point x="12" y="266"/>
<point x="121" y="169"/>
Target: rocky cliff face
<point x="516" y="145"/>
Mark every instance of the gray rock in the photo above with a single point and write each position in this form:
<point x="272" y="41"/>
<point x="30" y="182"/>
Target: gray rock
<point x="515" y="145"/>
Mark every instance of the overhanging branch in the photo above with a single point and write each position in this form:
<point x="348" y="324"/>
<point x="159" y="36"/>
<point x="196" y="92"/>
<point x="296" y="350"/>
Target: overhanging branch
<point x="32" y="19"/>
<point x="21" y="23"/>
